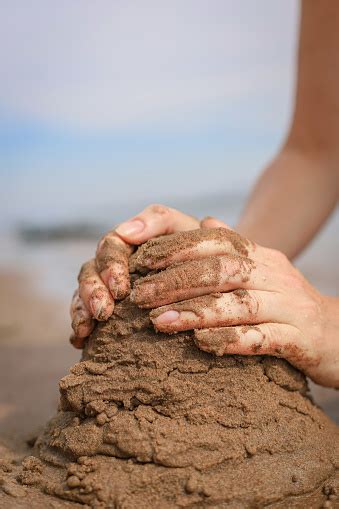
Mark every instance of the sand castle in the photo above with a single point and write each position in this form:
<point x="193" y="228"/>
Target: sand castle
<point x="147" y="420"/>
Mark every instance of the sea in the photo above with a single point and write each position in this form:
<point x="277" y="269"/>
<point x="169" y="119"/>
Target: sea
<point x="51" y="251"/>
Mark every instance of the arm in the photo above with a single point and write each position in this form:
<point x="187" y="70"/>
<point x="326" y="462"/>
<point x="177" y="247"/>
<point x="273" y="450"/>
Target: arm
<point x="263" y="304"/>
<point x="239" y="298"/>
<point x="299" y="189"/>
<point x="258" y="301"/>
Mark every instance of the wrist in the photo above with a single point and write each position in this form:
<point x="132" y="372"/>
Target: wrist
<point x="279" y="214"/>
<point x="331" y="316"/>
<point x="312" y="145"/>
<point x="329" y="343"/>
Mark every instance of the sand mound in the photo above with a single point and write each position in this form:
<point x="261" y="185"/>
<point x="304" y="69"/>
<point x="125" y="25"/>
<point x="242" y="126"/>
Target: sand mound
<point x="147" y="420"/>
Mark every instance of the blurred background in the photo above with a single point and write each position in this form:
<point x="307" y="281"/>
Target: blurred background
<point x="106" y="107"/>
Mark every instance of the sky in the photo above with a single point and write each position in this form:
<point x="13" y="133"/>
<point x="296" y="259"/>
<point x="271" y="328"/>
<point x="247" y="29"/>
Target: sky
<point x="113" y="104"/>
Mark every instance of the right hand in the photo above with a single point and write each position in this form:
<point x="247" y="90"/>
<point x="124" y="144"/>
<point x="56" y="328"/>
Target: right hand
<point x="105" y="278"/>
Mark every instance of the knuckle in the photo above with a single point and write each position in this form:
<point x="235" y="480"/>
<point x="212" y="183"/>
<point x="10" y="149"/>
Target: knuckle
<point x="270" y="333"/>
<point x="253" y="305"/>
<point x="161" y="210"/>
<point x="86" y="288"/>
<point x="111" y="249"/>
<point x="85" y="271"/>
<point x="311" y="309"/>
<point x="104" y="242"/>
<point x="279" y="257"/>
<point x="249" y="301"/>
<point x="293" y="279"/>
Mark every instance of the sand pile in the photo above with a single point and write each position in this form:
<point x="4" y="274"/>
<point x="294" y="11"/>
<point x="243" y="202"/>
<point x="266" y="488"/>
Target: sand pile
<point x="147" y="420"/>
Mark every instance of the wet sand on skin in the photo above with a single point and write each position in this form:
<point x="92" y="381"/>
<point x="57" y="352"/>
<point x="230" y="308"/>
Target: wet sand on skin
<point x="35" y="354"/>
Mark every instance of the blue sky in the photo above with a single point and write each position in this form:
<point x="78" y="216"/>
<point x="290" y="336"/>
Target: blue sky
<point x="103" y="103"/>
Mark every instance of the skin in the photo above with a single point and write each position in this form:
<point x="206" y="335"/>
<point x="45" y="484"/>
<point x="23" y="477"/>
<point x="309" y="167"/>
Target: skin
<point x="300" y="187"/>
<point x="106" y="278"/>
<point x="247" y="298"/>
<point x="253" y="301"/>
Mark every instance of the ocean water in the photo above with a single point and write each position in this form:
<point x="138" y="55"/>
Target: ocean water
<point x="54" y="264"/>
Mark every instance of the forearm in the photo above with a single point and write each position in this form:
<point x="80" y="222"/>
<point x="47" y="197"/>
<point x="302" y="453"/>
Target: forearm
<point x="331" y="337"/>
<point x="291" y="201"/>
<point x="299" y="189"/>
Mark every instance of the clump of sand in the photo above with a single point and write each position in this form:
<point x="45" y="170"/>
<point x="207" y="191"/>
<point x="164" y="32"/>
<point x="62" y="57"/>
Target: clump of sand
<point x="147" y="420"/>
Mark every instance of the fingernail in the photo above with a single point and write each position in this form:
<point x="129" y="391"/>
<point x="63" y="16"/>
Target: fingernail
<point x="97" y="308"/>
<point x="82" y="327"/>
<point x="113" y="286"/>
<point x="167" y="317"/>
<point x="132" y="227"/>
<point x="119" y="287"/>
<point x="77" y="342"/>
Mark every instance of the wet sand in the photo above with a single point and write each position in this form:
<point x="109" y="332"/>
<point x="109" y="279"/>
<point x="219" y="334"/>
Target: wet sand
<point x="35" y="353"/>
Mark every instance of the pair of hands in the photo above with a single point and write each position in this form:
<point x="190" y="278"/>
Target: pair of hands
<point x="239" y="297"/>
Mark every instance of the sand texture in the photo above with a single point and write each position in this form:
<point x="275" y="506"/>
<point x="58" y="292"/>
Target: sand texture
<point x="146" y="420"/>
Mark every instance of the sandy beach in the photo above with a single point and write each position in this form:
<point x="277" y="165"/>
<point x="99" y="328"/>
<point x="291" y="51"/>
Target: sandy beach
<point x="35" y="353"/>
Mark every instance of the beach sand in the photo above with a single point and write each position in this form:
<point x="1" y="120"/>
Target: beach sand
<point x="35" y="353"/>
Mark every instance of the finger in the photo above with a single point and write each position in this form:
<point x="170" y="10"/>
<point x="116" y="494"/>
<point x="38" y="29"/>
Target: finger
<point x="271" y="257"/>
<point x="112" y="264"/>
<point x="153" y="221"/>
<point x="277" y="339"/>
<point x="82" y="322"/>
<point x="202" y="277"/>
<point x="77" y="342"/>
<point x="182" y="246"/>
<point x="94" y="293"/>
<point x="212" y="222"/>
<point x="221" y="309"/>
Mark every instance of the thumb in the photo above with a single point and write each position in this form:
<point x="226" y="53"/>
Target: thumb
<point x="153" y="221"/>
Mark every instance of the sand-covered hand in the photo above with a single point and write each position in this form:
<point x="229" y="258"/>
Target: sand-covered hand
<point x="240" y="298"/>
<point x="105" y="278"/>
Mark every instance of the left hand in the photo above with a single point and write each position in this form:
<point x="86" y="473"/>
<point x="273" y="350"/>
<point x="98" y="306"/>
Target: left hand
<point x="240" y="298"/>
<point x="105" y="279"/>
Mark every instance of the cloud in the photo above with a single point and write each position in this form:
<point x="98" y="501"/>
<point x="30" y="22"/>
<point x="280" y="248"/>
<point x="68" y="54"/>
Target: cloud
<point x="87" y="65"/>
